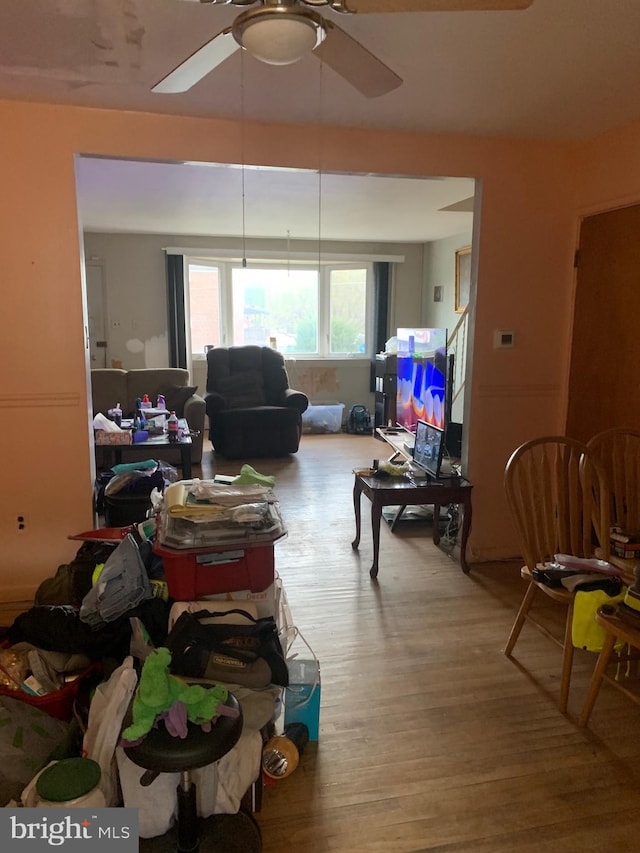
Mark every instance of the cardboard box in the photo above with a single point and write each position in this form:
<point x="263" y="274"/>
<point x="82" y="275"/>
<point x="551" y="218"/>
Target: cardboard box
<point x="102" y="437"/>
<point x="264" y="600"/>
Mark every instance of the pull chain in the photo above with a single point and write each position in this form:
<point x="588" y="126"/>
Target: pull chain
<point x="242" y="157"/>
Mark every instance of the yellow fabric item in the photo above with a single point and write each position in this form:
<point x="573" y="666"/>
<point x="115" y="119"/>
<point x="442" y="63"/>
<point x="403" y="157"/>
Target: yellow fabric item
<point x="96" y="573"/>
<point x="586" y="633"/>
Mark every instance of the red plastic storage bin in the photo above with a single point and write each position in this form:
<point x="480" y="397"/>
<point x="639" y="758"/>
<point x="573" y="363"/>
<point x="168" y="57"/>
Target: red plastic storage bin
<point x="58" y="704"/>
<point x="192" y="574"/>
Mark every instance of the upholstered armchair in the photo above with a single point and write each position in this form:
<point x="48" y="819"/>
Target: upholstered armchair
<point x="253" y="413"/>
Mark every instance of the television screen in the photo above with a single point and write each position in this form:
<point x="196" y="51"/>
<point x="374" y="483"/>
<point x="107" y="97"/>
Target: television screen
<point x="428" y="447"/>
<point x="422" y="370"/>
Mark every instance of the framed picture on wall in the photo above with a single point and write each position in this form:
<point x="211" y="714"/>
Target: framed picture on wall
<point x="463" y="278"/>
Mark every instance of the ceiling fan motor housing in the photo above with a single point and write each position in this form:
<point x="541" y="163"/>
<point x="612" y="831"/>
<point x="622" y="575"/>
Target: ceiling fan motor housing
<point x="279" y="34"/>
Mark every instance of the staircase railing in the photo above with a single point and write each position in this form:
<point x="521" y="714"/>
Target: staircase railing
<point x="457" y="346"/>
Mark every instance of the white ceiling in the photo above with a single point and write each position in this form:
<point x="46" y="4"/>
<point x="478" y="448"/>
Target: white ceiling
<point x="559" y="70"/>
<point x="161" y="198"/>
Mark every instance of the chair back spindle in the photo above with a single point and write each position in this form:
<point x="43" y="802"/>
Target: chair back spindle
<point x="617" y="450"/>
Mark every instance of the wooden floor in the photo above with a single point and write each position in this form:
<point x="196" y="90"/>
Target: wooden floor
<point x="430" y="739"/>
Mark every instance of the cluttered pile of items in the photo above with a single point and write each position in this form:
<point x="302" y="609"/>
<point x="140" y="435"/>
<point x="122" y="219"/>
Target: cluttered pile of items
<point x="149" y="420"/>
<point x="118" y="639"/>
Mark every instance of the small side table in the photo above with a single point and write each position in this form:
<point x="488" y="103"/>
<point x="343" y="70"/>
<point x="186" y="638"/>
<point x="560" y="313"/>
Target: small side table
<point x="392" y="491"/>
<point x="146" y="448"/>
<point x="619" y="626"/>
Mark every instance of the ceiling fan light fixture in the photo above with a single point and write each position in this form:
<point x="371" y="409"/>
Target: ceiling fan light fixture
<point x="278" y="38"/>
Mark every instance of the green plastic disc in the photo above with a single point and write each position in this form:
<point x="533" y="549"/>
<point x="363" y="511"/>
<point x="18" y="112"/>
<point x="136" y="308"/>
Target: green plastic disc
<point x="68" y="779"/>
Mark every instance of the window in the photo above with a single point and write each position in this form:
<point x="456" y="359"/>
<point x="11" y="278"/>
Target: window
<point x="291" y="306"/>
<point x="204" y="306"/>
<point x="272" y="303"/>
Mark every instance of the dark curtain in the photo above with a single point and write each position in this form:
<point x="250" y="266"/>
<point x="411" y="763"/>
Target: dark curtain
<point x="381" y="295"/>
<point x="175" y="311"/>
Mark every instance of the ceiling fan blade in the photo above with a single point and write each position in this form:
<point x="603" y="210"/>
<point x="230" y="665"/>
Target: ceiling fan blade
<point x="385" y="6"/>
<point x="370" y="76"/>
<point x="198" y="65"/>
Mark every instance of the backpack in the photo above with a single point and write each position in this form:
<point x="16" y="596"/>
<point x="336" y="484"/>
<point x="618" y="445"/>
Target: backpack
<point x="359" y="419"/>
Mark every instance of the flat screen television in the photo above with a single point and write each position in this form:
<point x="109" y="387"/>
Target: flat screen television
<point x="428" y="448"/>
<point x="421" y="377"/>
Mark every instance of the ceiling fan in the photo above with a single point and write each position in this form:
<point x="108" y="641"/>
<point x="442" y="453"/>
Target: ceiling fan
<point x="280" y="32"/>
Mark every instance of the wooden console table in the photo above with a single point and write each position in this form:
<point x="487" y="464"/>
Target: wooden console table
<point x="390" y="491"/>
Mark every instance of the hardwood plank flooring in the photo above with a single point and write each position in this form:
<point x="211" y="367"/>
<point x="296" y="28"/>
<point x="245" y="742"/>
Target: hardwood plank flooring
<point x="431" y="739"/>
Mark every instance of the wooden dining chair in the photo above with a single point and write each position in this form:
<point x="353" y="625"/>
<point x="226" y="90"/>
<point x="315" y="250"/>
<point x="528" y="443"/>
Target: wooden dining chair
<point x="550" y="485"/>
<point x="617" y="450"/>
<point x="620" y="626"/>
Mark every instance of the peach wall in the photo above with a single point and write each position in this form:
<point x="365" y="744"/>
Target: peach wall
<point x="610" y="171"/>
<point x="527" y="235"/>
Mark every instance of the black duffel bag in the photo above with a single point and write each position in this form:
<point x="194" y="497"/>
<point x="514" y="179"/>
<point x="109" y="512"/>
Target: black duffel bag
<point x="249" y="654"/>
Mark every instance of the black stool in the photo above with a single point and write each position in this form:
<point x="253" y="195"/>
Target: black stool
<point x="160" y="752"/>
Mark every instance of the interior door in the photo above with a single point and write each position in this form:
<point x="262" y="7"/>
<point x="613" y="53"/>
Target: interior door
<point x="96" y="314"/>
<point x="603" y="379"/>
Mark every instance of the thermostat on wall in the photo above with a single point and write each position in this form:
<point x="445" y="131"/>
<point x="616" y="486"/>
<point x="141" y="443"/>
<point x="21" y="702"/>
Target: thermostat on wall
<point x="503" y="339"/>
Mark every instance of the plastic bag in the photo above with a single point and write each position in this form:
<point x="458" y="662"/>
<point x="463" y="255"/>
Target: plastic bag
<point x="106" y="714"/>
<point x="14" y="667"/>
<point x="140" y="478"/>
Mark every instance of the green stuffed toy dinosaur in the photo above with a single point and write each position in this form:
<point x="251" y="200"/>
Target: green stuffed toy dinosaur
<point x="162" y="696"/>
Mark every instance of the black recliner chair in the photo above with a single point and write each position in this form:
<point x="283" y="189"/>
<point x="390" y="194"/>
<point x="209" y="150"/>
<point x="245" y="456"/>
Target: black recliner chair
<point x="253" y="413"/>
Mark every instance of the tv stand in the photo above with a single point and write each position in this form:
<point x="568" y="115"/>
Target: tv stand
<point x="401" y="492"/>
<point x="394" y="491"/>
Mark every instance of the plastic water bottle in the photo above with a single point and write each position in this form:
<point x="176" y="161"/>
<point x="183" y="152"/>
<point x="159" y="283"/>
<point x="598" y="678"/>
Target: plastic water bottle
<point x="115" y="414"/>
<point x="160" y="403"/>
<point x="173" y="428"/>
